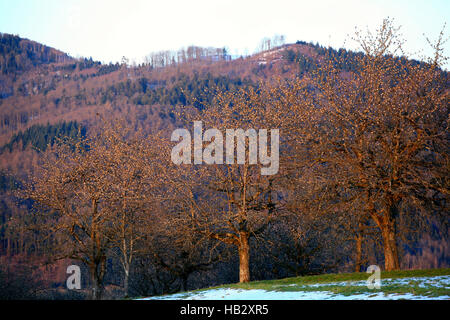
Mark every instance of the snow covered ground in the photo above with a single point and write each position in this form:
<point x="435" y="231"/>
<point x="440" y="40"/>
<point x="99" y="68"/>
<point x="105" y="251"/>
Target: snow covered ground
<point x="299" y="294"/>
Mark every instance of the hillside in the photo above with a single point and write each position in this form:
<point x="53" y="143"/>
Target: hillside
<point x="47" y="86"/>
<point x="20" y="55"/>
<point x="40" y="85"/>
<point x="405" y="285"/>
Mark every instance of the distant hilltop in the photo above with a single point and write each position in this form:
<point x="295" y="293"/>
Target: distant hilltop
<point x="19" y="54"/>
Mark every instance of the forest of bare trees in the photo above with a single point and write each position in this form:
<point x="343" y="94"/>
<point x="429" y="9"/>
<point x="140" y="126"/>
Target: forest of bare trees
<point x="166" y="58"/>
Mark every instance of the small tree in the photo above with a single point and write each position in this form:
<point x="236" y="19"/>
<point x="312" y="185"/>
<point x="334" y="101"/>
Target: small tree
<point x="94" y="195"/>
<point x="71" y="191"/>
<point x="131" y="199"/>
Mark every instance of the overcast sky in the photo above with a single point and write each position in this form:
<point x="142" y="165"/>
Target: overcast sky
<point x="108" y="29"/>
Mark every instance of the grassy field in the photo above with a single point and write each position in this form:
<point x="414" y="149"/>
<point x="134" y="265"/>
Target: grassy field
<point x="433" y="283"/>
<point x="355" y="283"/>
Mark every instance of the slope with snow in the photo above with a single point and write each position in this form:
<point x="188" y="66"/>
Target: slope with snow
<point x="306" y="292"/>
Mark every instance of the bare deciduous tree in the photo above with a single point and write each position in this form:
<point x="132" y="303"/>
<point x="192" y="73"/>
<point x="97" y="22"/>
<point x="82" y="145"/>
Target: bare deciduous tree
<point x="382" y="131"/>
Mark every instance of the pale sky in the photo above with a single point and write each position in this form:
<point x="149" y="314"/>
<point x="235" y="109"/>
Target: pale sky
<point x="109" y="29"/>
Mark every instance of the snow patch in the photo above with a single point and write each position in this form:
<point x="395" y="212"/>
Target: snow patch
<point x="259" y="294"/>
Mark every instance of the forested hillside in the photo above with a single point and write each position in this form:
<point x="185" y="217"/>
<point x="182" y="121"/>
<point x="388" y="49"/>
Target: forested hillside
<point x="18" y="55"/>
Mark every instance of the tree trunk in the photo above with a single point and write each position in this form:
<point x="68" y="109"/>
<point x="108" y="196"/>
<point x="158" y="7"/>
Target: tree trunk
<point x="244" y="257"/>
<point x="125" y="280"/>
<point x="184" y="281"/>
<point x="391" y="261"/>
<point x="386" y="223"/>
<point x="97" y="272"/>
<point x="358" y="257"/>
<point x="95" y="295"/>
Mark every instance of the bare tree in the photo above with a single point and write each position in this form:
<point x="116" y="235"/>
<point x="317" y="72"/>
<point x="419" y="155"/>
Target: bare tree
<point x="381" y="135"/>
<point x="94" y="195"/>
<point x="71" y="187"/>
<point x="131" y="182"/>
<point x="230" y="202"/>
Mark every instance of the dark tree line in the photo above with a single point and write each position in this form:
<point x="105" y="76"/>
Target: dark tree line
<point x="342" y="59"/>
<point x="17" y="54"/>
<point x="40" y="136"/>
<point x="180" y="90"/>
